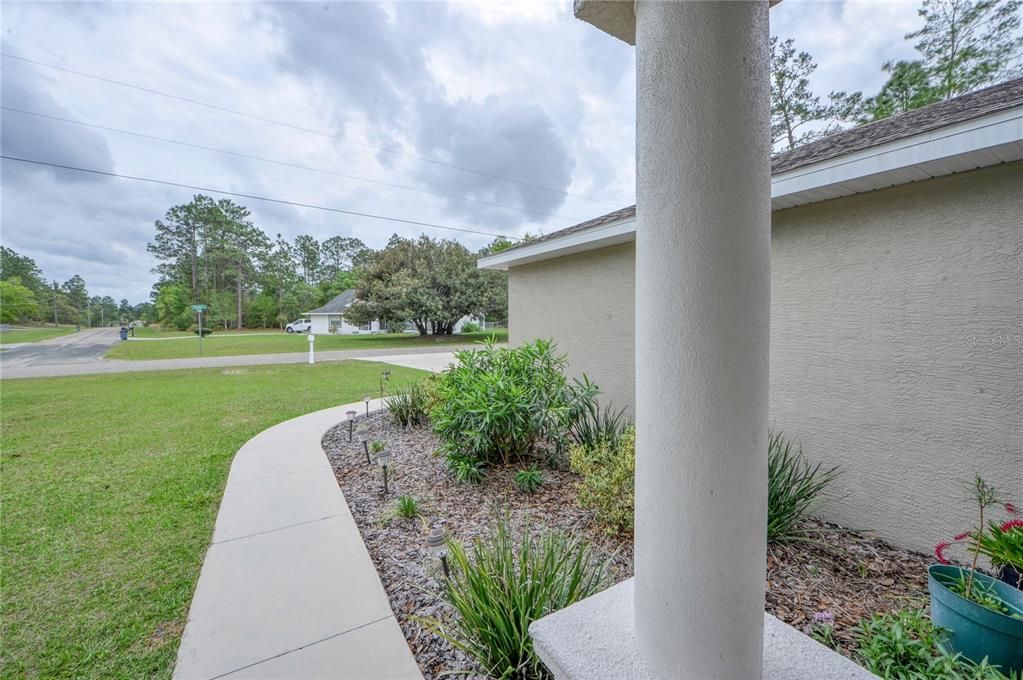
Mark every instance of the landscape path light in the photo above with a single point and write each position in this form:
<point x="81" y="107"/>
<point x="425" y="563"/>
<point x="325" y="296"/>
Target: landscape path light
<point x="437" y="546"/>
<point x="383" y="460"/>
<point x="365" y="447"/>
<point x="366" y="400"/>
<point x="384" y="377"/>
<point x="351" y="424"/>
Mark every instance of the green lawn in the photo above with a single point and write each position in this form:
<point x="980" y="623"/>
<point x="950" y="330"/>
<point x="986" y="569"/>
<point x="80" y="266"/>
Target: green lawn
<point x="34" y="334"/>
<point x="110" y="487"/>
<point x="229" y="344"/>
<point x="158" y="332"/>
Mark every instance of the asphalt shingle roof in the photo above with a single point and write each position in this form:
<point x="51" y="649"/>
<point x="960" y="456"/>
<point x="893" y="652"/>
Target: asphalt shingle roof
<point x="338" y="305"/>
<point x="1007" y="95"/>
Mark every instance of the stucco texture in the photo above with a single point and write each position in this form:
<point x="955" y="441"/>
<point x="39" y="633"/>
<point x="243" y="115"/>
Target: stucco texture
<point x="896" y="342"/>
<point x="585" y="303"/>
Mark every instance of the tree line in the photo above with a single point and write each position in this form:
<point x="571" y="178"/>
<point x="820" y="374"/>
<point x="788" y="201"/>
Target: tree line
<point x="25" y="295"/>
<point x="209" y="251"/>
<point x="963" y="45"/>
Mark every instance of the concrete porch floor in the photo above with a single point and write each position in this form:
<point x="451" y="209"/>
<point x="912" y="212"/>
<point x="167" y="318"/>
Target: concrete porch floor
<point x="595" y="638"/>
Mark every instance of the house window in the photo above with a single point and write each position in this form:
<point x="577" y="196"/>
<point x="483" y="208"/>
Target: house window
<point x="366" y="327"/>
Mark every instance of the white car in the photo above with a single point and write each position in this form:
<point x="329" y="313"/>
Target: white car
<point x="300" y="326"/>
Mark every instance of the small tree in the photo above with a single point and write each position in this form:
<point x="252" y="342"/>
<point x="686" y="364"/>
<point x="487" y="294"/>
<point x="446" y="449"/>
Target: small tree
<point x="909" y="87"/>
<point x="432" y="283"/>
<point x="17" y="302"/>
<point x="967" y="44"/>
<point x="797" y="114"/>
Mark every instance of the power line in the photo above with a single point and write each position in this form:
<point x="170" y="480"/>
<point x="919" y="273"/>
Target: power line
<point x="293" y="126"/>
<point x="284" y="163"/>
<point x="255" y="197"/>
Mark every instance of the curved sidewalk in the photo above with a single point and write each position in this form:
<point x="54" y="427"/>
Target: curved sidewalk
<point x="287" y="588"/>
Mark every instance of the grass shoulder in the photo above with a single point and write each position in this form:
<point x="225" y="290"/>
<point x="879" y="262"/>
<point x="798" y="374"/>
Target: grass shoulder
<point x="20" y="334"/>
<point x="234" y="344"/>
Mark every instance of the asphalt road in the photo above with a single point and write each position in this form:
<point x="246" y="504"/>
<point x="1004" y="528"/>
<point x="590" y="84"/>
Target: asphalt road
<point x="51" y="355"/>
<point x="81" y="353"/>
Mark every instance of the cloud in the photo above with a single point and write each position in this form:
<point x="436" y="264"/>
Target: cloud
<point x="368" y="60"/>
<point x="30" y="137"/>
<point x="496" y="137"/>
<point x="518" y="90"/>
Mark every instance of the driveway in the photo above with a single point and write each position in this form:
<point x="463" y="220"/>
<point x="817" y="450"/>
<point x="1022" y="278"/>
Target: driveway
<point x="53" y="357"/>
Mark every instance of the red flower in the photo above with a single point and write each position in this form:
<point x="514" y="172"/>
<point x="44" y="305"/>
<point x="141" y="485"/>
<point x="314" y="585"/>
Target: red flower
<point x="1011" y="509"/>
<point x="939" y="551"/>
<point x="961" y="537"/>
<point x="1012" y="524"/>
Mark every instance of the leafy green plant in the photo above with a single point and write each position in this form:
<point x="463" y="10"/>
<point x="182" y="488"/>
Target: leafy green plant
<point x="1003" y="545"/>
<point x="595" y="425"/>
<point x="529" y="481"/>
<point x="497" y="404"/>
<point x="407" y="507"/>
<point x="608" y="470"/>
<point x="904" y="646"/>
<point x="984" y="595"/>
<point x="793" y="487"/>
<point x="465" y="468"/>
<point x="471" y="327"/>
<point x="410" y="405"/>
<point x="376" y="446"/>
<point x="502" y="584"/>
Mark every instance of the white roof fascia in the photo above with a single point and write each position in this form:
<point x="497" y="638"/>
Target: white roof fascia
<point x="875" y="168"/>
<point x="612" y="233"/>
<point x="1003" y="127"/>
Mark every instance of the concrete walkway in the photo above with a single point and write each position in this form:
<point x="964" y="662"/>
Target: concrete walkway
<point x="432" y="361"/>
<point x="30" y="367"/>
<point x="287" y="589"/>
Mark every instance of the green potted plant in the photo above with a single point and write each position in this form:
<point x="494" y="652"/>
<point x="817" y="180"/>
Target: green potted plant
<point x="982" y="617"/>
<point x="1003" y="545"/>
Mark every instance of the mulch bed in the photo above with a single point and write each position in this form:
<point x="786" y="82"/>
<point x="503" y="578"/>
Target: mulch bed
<point x="837" y="571"/>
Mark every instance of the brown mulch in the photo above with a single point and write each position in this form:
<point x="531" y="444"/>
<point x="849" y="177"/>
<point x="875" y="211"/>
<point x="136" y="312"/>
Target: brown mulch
<point x="846" y="574"/>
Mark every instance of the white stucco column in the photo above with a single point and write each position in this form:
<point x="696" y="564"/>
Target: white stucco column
<point x="702" y="330"/>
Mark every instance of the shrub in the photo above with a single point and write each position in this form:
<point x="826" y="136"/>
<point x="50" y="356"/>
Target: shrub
<point x="407" y="507"/>
<point x="529" y="481"/>
<point x="793" y="486"/>
<point x="465" y="468"/>
<point x="410" y="405"/>
<point x="904" y="646"/>
<point x="608" y="470"/>
<point x="497" y="405"/>
<point x="471" y="327"/>
<point x="595" y="425"/>
<point x="500" y="586"/>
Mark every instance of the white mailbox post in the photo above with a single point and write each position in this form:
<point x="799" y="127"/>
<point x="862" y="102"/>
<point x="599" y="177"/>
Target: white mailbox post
<point x="312" y="358"/>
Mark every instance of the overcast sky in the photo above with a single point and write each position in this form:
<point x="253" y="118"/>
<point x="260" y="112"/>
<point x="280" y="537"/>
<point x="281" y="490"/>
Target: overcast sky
<point x="516" y="91"/>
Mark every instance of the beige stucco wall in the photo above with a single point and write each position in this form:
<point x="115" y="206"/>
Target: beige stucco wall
<point x="586" y="303"/>
<point x="896" y="342"/>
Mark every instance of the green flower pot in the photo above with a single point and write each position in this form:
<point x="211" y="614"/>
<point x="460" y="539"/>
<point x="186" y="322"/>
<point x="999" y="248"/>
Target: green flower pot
<point x="972" y="630"/>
